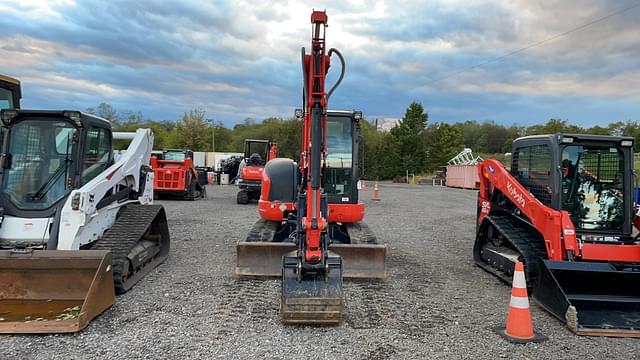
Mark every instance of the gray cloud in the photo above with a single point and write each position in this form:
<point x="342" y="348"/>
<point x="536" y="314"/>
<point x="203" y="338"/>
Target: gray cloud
<point x="240" y="59"/>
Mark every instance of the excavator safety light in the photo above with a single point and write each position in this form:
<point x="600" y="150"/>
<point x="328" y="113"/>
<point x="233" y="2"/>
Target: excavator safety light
<point x="298" y="113"/>
<point x="567" y="140"/>
<point x="626" y="143"/>
<point x="8" y="115"/>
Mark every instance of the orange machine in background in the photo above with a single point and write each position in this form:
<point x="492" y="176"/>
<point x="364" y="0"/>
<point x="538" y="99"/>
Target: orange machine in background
<point x="175" y="175"/>
<point x="257" y="153"/>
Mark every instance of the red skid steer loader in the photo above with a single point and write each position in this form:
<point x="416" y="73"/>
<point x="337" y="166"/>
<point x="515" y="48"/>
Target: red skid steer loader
<point x="566" y="210"/>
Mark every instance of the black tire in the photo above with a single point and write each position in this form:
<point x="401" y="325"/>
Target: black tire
<point x="243" y="197"/>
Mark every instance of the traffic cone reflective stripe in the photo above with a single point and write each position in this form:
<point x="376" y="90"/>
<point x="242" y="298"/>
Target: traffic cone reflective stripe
<point x="519" y="326"/>
<point x="376" y="192"/>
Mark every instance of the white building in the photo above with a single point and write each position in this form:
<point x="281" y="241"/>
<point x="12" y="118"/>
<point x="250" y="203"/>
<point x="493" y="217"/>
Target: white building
<point x="386" y="124"/>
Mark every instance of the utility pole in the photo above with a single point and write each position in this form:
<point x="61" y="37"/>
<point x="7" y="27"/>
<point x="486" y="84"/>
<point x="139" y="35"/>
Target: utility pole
<point x="213" y="134"/>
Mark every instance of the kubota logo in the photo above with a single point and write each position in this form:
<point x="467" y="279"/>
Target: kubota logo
<point x="515" y="194"/>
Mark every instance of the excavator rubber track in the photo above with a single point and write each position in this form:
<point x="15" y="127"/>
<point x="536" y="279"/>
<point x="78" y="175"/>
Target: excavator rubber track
<point x="500" y="260"/>
<point x="138" y="241"/>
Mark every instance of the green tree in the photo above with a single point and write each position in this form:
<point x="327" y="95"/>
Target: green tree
<point x="192" y="131"/>
<point x="446" y="142"/>
<point x="407" y="137"/>
<point x="104" y="111"/>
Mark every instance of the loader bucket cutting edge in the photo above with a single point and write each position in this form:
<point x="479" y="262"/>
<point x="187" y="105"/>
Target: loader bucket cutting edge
<point x="264" y="259"/>
<point x="53" y="291"/>
<point x="593" y="299"/>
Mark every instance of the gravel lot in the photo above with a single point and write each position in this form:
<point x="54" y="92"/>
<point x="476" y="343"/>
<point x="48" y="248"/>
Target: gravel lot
<point x="435" y="304"/>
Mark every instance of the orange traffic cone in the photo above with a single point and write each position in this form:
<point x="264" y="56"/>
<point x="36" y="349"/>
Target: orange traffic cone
<point x="519" y="327"/>
<point x="376" y="192"/>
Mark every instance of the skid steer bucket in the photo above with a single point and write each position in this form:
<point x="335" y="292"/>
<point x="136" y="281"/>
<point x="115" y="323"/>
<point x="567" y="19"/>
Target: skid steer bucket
<point x="595" y="299"/>
<point x="312" y="299"/>
<point x="55" y="291"/>
<point x="258" y="259"/>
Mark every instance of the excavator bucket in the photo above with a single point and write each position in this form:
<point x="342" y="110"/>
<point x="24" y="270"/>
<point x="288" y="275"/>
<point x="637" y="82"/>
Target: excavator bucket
<point x="594" y="299"/>
<point x="55" y="291"/>
<point x="264" y="259"/>
<point x="311" y="299"/>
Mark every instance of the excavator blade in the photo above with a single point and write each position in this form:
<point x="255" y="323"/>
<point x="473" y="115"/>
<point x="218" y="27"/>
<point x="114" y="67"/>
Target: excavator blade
<point x="312" y="299"/>
<point x="53" y="291"/>
<point x="594" y="299"/>
<point x="264" y="259"/>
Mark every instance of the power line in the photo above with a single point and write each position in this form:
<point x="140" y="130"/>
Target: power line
<point x="536" y="44"/>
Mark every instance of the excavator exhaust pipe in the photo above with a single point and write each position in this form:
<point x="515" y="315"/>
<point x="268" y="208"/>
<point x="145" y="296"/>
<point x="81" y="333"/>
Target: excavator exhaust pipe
<point x="55" y="291"/>
<point x="593" y="299"/>
<point x="264" y="259"/>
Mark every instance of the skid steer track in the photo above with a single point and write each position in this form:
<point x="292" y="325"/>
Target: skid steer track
<point x="138" y="241"/>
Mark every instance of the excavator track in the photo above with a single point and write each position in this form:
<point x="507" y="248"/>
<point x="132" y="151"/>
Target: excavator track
<point x="522" y="244"/>
<point x="360" y="233"/>
<point x="138" y="241"/>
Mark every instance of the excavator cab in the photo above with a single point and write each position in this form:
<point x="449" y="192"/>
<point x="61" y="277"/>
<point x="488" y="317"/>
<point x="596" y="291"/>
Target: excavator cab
<point x="566" y="208"/>
<point x="10" y="93"/>
<point x="257" y="153"/>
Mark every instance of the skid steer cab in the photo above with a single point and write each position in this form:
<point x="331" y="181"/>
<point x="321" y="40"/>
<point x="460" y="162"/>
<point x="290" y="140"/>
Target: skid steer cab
<point x="73" y="227"/>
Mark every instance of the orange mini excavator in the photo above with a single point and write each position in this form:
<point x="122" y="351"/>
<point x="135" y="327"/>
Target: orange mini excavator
<point x="310" y="226"/>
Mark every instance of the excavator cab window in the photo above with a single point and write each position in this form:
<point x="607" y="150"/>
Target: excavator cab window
<point x="97" y="153"/>
<point x="256" y="152"/>
<point x="174" y="155"/>
<point x="593" y="186"/>
<point x="532" y="168"/>
<point x="41" y="163"/>
<point x="338" y="171"/>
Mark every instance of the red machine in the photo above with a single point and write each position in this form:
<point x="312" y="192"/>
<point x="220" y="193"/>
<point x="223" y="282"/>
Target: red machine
<point x="256" y="155"/>
<point x="175" y="175"/>
<point x="566" y="209"/>
<point x="295" y="239"/>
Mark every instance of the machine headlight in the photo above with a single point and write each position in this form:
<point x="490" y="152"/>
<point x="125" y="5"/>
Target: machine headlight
<point x="626" y="143"/>
<point x="298" y="113"/>
<point x="8" y="115"/>
<point x="75" y="201"/>
<point x="567" y="140"/>
<point x="357" y="115"/>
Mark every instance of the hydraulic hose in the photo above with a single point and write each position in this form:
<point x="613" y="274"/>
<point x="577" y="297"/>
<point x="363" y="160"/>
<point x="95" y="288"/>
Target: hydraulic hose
<point x="331" y="51"/>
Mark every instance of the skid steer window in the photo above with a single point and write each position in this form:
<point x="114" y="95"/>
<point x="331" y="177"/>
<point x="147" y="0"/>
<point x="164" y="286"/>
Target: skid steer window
<point x="338" y="167"/>
<point x="97" y="153"/>
<point x="41" y="157"/>
<point x="532" y="166"/>
<point x="6" y="99"/>
<point x="593" y="187"/>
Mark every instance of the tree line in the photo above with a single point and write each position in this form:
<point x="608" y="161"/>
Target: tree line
<point x="414" y="144"/>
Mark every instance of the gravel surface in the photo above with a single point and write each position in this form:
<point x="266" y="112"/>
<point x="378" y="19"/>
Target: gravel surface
<point x="435" y="304"/>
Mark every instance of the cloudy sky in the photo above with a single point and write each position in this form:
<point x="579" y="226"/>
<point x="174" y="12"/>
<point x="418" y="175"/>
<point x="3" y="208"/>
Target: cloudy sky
<point x="239" y="59"/>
